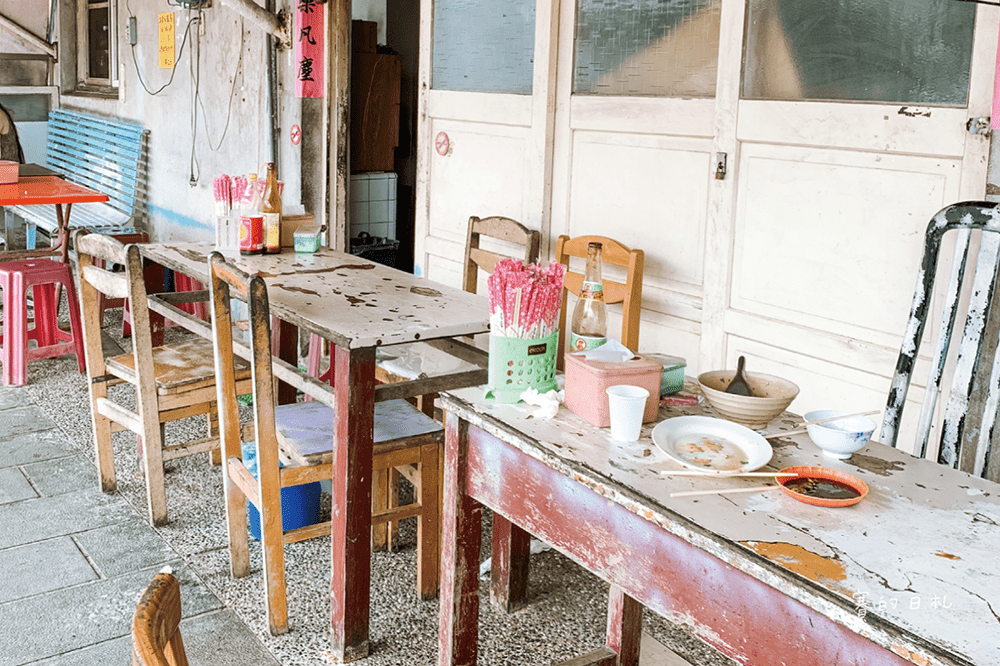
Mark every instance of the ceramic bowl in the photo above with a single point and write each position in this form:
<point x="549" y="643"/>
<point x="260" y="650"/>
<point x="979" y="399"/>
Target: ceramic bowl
<point x="839" y="439"/>
<point x="772" y="395"/>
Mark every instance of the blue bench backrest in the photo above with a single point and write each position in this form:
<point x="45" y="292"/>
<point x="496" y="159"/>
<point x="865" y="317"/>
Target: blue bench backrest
<point x="103" y="154"/>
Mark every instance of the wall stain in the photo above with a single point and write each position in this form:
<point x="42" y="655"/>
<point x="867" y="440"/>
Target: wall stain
<point x="947" y="556"/>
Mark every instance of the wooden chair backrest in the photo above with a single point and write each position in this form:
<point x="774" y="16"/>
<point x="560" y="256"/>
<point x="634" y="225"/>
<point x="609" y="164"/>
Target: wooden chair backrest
<point x="95" y="255"/>
<point x="501" y="228"/>
<point x="156" y="636"/>
<point x="629" y="293"/>
<point x="970" y="402"/>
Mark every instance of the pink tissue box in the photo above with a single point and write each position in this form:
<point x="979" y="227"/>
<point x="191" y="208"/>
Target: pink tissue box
<point x="8" y="172"/>
<point x="586" y="382"/>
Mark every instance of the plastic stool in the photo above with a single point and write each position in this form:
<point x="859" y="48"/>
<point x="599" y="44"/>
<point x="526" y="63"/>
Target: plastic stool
<point x="41" y="276"/>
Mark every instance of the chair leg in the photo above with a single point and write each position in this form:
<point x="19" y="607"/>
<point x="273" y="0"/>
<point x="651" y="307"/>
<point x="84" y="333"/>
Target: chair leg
<point x="15" y="333"/>
<point x="236" y="522"/>
<point x="76" y="325"/>
<point x="429" y="523"/>
<point x="380" y="502"/>
<point x="152" y="460"/>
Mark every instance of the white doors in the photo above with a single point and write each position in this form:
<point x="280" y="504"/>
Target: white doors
<point x="802" y="252"/>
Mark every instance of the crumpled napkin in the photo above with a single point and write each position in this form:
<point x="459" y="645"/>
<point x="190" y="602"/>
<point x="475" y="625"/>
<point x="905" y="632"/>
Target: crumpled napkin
<point x="547" y="403"/>
<point x="611" y="351"/>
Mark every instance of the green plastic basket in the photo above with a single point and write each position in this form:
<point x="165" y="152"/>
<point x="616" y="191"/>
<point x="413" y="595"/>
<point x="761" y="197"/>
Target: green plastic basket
<point x="517" y="364"/>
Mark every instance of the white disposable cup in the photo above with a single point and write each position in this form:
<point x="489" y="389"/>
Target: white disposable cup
<point x="626" y="404"/>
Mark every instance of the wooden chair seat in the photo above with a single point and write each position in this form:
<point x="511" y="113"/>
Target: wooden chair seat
<point x="294" y="445"/>
<point x="183" y="366"/>
<point x="305" y="436"/>
<point x="171" y="383"/>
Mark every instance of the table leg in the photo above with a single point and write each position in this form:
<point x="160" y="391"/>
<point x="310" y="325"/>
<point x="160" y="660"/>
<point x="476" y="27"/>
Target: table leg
<point x="351" y="520"/>
<point x="288" y="350"/>
<point x="624" y="626"/>
<point x="461" y="532"/>
<point x="509" y="568"/>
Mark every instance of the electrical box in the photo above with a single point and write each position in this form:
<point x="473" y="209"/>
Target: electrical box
<point x="133" y="35"/>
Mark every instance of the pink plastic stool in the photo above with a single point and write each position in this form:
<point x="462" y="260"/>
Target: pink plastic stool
<point x="41" y="276"/>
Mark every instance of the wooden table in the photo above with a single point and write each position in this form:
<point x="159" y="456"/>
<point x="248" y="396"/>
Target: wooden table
<point x="908" y="575"/>
<point x="357" y="305"/>
<point x="40" y="190"/>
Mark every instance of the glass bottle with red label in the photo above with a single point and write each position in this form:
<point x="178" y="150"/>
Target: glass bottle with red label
<point x="589" y="328"/>
<point x="252" y="219"/>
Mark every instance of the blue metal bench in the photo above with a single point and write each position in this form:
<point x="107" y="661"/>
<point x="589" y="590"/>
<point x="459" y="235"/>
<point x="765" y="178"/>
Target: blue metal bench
<point x="104" y="154"/>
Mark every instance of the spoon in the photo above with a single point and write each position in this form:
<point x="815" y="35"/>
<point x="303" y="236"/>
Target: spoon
<point x="739" y="385"/>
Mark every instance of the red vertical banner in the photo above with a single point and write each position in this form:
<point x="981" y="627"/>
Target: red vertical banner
<point x="309" y="37"/>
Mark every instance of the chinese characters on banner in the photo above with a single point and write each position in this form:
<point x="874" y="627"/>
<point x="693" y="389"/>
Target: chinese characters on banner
<point x="309" y="37"/>
<point x="166" y="25"/>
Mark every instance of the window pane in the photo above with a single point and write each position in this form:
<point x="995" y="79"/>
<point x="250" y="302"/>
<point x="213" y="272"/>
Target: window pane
<point x="667" y="48"/>
<point x="908" y="52"/>
<point x="98" y="61"/>
<point x="484" y="46"/>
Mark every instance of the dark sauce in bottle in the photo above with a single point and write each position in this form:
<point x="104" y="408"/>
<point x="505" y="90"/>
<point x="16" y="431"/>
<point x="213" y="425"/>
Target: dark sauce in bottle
<point x="822" y="488"/>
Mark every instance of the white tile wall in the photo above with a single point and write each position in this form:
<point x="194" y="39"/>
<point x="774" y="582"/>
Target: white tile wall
<point x="373" y="204"/>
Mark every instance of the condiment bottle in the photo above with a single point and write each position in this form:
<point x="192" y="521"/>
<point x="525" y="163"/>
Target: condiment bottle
<point x="272" y="212"/>
<point x="589" y="328"/>
<point x="252" y="219"/>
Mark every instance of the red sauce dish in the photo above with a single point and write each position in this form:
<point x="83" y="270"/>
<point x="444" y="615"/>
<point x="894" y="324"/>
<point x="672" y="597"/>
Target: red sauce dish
<point x="822" y="486"/>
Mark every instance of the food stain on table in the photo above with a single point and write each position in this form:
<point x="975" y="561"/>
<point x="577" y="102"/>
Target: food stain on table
<point x="425" y="291"/>
<point x="877" y="465"/>
<point x="825" y="570"/>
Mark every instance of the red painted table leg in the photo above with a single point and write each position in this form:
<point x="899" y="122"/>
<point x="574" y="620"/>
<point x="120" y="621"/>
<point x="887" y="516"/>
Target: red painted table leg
<point x="461" y="531"/>
<point x="351" y="494"/>
<point x="509" y="570"/>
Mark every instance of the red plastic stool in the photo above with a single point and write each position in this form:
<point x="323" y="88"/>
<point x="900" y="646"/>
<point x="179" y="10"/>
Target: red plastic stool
<point x="41" y="276"/>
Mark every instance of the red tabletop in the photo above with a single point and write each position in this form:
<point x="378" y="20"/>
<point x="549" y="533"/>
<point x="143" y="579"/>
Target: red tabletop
<point x="30" y="190"/>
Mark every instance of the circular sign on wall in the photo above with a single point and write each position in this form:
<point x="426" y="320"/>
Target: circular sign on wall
<point x="442" y="143"/>
<point x="295" y="134"/>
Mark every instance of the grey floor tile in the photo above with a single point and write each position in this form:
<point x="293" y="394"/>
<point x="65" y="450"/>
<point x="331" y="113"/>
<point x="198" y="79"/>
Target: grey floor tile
<point x="14" y="486"/>
<point x="61" y="561"/>
<point x="14" y="396"/>
<point x="71" y="618"/>
<point x="62" y="475"/>
<point x="114" y="652"/>
<point x="47" y="517"/>
<point x="19" y="420"/>
<point x="35" y="446"/>
<point x="222" y="639"/>
<point x="129" y="545"/>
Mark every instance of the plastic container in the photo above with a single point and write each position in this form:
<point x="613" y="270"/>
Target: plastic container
<point x="307" y="238"/>
<point x="517" y="364"/>
<point x="587" y="383"/>
<point x="672" y="379"/>
<point x="299" y="504"/>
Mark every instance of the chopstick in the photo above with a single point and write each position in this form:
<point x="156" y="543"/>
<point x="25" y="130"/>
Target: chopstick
<point x="817" y="422"/>
<point x="723" y="475"/>
<point x="723" y="491"/>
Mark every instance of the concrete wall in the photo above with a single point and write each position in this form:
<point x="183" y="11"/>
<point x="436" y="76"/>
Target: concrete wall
<point x="206" y="117"/>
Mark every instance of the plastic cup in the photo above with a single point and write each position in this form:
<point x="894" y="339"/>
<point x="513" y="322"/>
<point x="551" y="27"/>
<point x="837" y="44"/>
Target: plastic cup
<point x="626" y="404"/>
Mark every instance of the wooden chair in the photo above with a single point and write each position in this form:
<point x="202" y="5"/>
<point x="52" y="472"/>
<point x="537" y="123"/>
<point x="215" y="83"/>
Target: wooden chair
<point x="964" y="383"/>
<point x="628" y="293"/>
<point x="171" y="381"/>
<point x="511" y="544"/>
<point x="301" y="436"/>
<point x="156" y="636"/>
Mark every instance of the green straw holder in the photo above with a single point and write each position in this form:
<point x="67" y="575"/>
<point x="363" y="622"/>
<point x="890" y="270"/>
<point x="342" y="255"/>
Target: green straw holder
<point x="517" y="364"/>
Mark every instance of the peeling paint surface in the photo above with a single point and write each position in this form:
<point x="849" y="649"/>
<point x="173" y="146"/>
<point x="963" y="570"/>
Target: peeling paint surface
<point x="347" y="300"/>
<point x="911" y="568"/>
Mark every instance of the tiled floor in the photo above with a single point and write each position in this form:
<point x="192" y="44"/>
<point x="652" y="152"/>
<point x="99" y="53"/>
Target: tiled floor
<point x="73" y="562"/>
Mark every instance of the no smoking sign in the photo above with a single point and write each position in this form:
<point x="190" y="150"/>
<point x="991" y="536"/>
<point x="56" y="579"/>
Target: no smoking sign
<point x="295" y="134"/>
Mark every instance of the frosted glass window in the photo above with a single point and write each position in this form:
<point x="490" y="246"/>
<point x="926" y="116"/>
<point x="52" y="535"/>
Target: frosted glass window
<point x="665" y="48"/>
<point x="484" y="46"/>
<point x="897" y="51"/>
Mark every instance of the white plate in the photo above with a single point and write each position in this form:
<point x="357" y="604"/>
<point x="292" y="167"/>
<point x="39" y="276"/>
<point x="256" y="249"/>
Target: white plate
<point x="711" y="445"/>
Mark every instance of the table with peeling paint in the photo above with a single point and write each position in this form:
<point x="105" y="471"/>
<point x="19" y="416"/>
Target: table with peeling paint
<point x="908" y="575"/>
<point x="357" y="305"/>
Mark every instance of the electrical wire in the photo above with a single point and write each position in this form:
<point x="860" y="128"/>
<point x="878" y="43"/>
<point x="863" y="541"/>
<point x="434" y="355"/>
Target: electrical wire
<point x="180" y="53"/>
<point x="194" y="67"/>
<point x="232" y="95"/>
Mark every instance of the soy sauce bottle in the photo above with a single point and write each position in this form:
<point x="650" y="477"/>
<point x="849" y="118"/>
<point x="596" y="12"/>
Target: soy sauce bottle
<point x="589" y="328"/>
